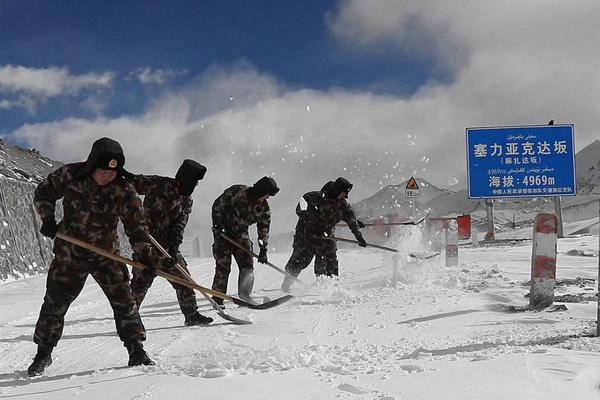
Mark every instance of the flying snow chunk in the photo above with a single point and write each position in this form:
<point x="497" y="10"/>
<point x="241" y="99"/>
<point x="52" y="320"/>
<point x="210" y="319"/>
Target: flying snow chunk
<point x="308" y="108"/>
<point x="452" y="181"/>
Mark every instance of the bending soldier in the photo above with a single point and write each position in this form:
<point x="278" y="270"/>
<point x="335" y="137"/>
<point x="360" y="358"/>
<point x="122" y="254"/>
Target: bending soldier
<point x="318" y="213"/>
<point x="233" y="212"/>
<point x="95" y="197"/>
<point x="167" y="206"/>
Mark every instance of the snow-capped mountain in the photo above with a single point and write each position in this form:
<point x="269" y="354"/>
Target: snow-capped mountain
<point x="392" y="199"/>
<point x="588" y="168"/>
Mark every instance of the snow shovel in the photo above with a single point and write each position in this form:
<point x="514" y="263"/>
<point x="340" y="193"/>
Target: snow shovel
<point x="392" y="223"/>
<point x="173" y="278"/>
<point x="339" y="239"/>
<point x="183" y="272"/>
<point x="276" y="268"/>
<point x="420" y="256"/>
<point x="396" y="223"/>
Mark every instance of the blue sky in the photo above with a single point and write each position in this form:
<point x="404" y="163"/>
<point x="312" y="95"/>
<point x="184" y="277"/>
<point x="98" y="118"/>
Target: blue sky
<point x="288" y="39"/>
<point x="304" y="91"/>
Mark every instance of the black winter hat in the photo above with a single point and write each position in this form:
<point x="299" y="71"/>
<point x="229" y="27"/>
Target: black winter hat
<point x="106" y="153"/>
<point x="265" y="185"/>
<point x="188" y="175"/>
<point x="340" y="185"/>
<point x="326" y="189"/>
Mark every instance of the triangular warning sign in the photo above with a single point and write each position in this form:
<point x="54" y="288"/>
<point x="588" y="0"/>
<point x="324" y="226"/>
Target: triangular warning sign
<point x="412" y="184"/>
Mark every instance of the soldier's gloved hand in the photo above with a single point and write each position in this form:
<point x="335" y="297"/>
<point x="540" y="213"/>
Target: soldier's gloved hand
<point x="180" y="260"/>
<point x="169" y="264"/>
<point x="360" y="223"/>
<point x="361" y="240"/>
<point x="49" y="227"/>
<point x="262" y="255"/>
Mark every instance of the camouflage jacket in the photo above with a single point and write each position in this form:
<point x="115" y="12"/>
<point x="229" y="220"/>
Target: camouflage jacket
<point x="91" y="212"/>
<point x="234" y="213"/>
<point x="319" y="215"/>
<point x="166" y="210"/>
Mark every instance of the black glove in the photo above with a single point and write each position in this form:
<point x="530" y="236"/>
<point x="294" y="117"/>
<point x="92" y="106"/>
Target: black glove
<point x="179" y="259"/>
<point x="262" y="255"/>
<point x="360" y="223"/>
<point x="49" y="227"/>
<point x="361" y="241"/>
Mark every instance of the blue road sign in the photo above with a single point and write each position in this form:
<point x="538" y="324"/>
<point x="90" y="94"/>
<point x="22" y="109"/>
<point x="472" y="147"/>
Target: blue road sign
<point x="521" y="161"/>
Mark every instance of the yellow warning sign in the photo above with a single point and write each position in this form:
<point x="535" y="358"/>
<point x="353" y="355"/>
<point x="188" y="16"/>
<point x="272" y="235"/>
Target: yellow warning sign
<point x="412" y="184"/>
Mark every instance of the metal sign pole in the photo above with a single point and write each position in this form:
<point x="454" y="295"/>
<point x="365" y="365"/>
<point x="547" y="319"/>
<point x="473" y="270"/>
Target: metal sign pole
<point x="558" y="212"/>
<point x="491" y="230"/>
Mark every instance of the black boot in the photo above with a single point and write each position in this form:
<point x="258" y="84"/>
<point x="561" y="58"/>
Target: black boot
<point x="197" y="319"/>
<point x="42" y="359"/>
<point x="137" y="355"/>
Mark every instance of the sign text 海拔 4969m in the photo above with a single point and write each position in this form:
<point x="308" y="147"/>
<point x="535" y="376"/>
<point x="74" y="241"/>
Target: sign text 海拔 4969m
<point x="521" y="161"/>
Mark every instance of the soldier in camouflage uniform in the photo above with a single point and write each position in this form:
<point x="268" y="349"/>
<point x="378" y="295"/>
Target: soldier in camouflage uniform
<point x="167" y="206"/>
<point x="318" y="213"/>
<point x="95" y="197"/>
<point x="232" y="213"/>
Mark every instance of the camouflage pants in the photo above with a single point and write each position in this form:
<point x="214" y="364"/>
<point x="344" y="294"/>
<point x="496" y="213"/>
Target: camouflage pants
<point x="64" y="283"/>
<point x="324" y="251"/>
<point x="142" y="280"/>
<point x="222" y="252"/>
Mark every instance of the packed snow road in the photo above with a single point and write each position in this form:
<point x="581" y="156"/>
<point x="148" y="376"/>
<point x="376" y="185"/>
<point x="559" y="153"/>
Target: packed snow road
<point x="392" y="327"/>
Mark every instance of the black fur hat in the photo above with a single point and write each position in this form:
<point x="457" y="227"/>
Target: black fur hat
<point x="265" y="185"/>
<point x="188" y="175"/>
<point x="340" y="185"/>
<point x="326" y="189"/>
<point x="106" y="153"/>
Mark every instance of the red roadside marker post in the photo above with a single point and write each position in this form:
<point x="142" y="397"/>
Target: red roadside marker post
<point x="543" y="261"/>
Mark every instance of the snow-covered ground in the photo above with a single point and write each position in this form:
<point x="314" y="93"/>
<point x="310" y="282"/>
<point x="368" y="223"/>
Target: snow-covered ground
<point x="391" y="328"/>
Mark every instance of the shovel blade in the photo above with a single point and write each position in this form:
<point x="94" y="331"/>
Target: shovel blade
<point x="263" y="306"/>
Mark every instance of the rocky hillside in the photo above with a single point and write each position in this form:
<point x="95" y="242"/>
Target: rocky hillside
<point x="26" y="165"/>
<point x="23" y="250"/>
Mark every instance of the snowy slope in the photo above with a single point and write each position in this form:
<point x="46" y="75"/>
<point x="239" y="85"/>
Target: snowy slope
<point x="391" y="328"/>
<point x="588" y="168"/>
<point x="24" y="164"/>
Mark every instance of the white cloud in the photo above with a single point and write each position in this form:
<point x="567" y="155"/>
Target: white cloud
<point x="524" y="64"/>
<point x="49" y="82"/>
<point x="157" y="76"/>
<point x="25" y="102"/>
<point x="255" y="126"/>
